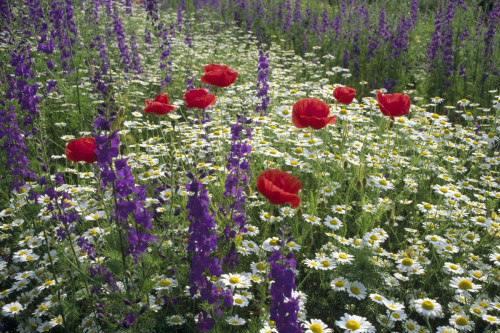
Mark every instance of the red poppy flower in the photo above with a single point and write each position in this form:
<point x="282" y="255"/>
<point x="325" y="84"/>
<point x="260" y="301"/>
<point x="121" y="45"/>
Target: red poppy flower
<point x="310" y="112"/>
<point x="279" y="187"/>
<point x="219" y="75"/>
<point x="395" y="105"/>
<point x="199" y="98"/>
<point x="81" y="150"/>
<point x="344" y="95"/>
<point x="159" y="105"/>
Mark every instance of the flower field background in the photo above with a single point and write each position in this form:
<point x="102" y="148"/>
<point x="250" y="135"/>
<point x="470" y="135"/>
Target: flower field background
<point x="253" y="166"/>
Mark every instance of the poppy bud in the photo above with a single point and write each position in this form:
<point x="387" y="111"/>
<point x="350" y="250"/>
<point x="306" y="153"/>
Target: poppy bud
<point x="248" y="190"/>
<point x="300" y="213"/>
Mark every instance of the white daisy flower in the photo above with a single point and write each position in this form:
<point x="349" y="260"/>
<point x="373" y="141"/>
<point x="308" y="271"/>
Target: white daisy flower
<point x="352" y="323"/>
<point x="316" y="326"/>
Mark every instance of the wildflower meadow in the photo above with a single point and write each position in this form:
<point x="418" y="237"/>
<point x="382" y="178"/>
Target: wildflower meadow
<point x="265" y="166"/>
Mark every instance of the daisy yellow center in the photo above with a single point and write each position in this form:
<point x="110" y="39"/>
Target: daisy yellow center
<point x="261" y="266"/>
<point x="250" y="245"/>
<point x="14" y="308"/>
<point x="234" y="279"/>
<point x="465" y="284"/>
<point x="339" y="284"/>
<point x="407" y="262"/>
<point x="480" y="219"/>
<point x="285" y="112"/>
<point x="165" y="283"/>
<point x="382" y="182"/>
<point x="147" y="174"/>
<point x="235" y="322"/>
<point x="342" y="256"/>
<point x="355" y="290"/>
<point x="378" y="298"/>
<point x="42" y="307"/>
<point x="427" y="305"/>
<point x="176" y="320"/>
<point x="273" y="242"/>
<point x="325" y="263"/>
<point x="238" y="301"/>
<point x="352" y="325"/>
<point x="454" y="267"/>
<point x="316" y="328"/>
<point x="477" y="274"/>
<point x="396" y="315"/>
<point x="92" y="232"/>
<point x="461" y="321"/>
<point x="427" y="206"/>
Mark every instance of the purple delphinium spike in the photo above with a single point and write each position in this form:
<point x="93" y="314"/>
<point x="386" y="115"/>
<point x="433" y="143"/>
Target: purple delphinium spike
<point x="202" y="242"/>
<point x="297" y="12"/>
<point x="136" y="61"/>
<point x="284" y="308"/>
<point x="128" y="7"/>
<point x="122" y="42"/>
<point x="493" y="19"/>
<point x="262" y="82"/>
<point x="238" y="176"/>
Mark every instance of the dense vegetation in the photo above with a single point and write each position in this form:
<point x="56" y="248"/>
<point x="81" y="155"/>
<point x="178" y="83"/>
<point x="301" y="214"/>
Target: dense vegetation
<point x="202" y="166"/>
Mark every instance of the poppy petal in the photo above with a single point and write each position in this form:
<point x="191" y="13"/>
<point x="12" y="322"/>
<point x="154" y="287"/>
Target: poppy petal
<point x="199" y="98"/>
<point x="81" y="150"/>
<point x="159" y="108"/>
<point x="279" y="187"/>
<point x="162" y="98"/>
<point x="393" y="105"/>
<point x="310" y="112"/>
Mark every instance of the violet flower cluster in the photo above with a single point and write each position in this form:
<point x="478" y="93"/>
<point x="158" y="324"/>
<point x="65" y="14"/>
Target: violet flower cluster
<point x="128" y="196"/>
<point x="262" y="82"/>
<point x="136" y="61"/>
<point x="284" y="308"/>
<point x="62" y="22"/>
<point x="165" y="52"/>
<point x="122" y="42"/>
<point x="202" y="242"/>
<point x="489" y="37"/>
<point x="12" y="135"/>
<point x="238" y="176"/>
